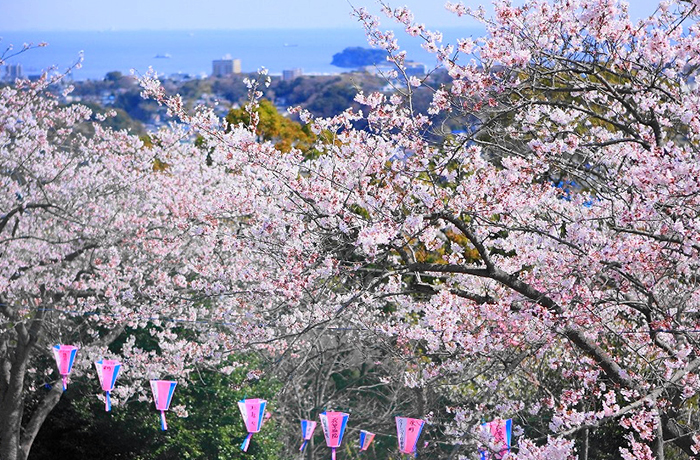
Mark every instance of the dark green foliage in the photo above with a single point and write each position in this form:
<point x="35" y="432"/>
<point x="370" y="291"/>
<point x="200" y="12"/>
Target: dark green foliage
<point x="332" y="100"/>
<point x="605" y="442"/>
<point x="231" y="88"/>
<point x="136" y="106"/>
<point x="325" y="96"/>
<point x="194" y="89"/>
<point x="79" y="427"/>
<point x="303" y="89"/>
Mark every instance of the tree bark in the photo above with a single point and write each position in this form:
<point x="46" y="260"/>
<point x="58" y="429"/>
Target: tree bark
<point x="38" y="418"/>
<point x="12" y="404"/>
<point x="14" y="362"/>
<point x="583" y="453"/>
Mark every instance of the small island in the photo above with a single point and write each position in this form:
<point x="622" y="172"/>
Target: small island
<point x="357" y="56"/>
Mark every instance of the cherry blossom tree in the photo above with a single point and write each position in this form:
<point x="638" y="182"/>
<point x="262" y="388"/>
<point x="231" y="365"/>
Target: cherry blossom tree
<point x="104" y="239"/>
<point x="540" y="264"/>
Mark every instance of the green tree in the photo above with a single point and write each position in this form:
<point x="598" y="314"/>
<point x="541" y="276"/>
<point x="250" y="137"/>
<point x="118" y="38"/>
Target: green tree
<point x="213" y="428"/>
<point x="136" y="106"/>
<point x="333" y="100"/>
<point x="273" y="126"/>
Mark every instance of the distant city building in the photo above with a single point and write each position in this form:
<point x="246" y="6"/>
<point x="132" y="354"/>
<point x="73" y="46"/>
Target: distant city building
<point x="13" y="72"/>
<point x="379" y="69"/>
<point x="226" y="66"/>
<point x="289" y="75"/>
<point x="413" y="69"/>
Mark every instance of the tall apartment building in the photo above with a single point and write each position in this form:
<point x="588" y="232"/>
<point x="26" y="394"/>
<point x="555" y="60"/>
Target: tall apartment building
<point x="289" y="75"/>
<point x="225" y="66"/>
<point x="13" y="72"/>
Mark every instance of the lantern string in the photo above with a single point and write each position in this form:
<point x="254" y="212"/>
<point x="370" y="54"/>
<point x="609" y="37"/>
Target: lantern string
<point x="336" y="328"/>
<point x="332" y="328"/>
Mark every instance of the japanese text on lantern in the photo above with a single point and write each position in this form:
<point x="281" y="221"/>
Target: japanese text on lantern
<point x="335" y="428"/>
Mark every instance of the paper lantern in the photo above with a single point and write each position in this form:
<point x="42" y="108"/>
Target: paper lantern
<point x="499" y="433"/>
<point x="162" y="395"/>
<point x="333" y="424"/>
<point x="253" y="412"/>
<point x="307" y="432"/>
<point x="107" y="373"/>
<point x="365" y="439"/>
<point x="408" y="430"/>
<point x="65" y="357"/>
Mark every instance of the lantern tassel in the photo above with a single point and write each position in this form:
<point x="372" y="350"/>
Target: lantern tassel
<point x="108" y="402"/>
<point x="333" y="453"/>
<point x="246" y="442"/>
<point x="303" y="445"/>
<point x="65" y="382"/>
<point x="163" y="423"/>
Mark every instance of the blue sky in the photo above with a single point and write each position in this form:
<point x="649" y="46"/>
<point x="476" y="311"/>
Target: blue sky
<point x="216" y="14"/>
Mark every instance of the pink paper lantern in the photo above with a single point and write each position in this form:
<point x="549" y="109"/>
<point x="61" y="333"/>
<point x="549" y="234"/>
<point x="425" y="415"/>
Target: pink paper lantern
<point x="333" y="424"/>
<point x="107" y="372"/>
<point x="307" y="432"/>
<point x="253" y="412"/>
<point x="162" y="396"/>
<point x="408" y="430"/>
<point x="365" y="439"/>
<point x="65" y="357"/>
<point x="499" y="432"/>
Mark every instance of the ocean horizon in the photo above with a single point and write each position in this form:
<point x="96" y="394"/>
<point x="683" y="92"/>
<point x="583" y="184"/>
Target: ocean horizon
<point x="180" y="52"/>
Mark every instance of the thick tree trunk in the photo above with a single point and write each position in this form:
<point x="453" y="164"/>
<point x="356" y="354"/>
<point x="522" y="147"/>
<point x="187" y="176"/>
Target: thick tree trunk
<point x="9" y="438"/>
<point x="583" y="452"/>
<point x="38" y="418"/>
<point x="15" y="442"/>
<point x="15" y="353"/>
<point x="12" y="403"/>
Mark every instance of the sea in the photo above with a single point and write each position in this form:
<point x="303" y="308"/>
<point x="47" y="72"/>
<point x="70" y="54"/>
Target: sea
<point x="190" y="53"/>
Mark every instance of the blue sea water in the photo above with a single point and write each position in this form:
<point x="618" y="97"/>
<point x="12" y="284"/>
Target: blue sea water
<point x="192" y="52"/>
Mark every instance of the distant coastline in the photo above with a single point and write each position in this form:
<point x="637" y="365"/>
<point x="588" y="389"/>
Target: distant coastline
<point x="192" y="51"/>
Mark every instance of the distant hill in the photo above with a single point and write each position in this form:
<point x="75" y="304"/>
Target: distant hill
<point x="358" y="57"/>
